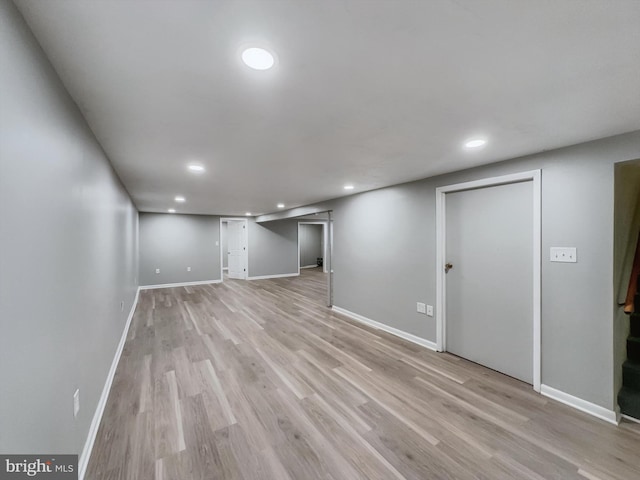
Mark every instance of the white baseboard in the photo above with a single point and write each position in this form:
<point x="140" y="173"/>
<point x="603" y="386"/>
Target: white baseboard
<point x="83" y="460"/>
<point x="580" y="404"/>
<point x="386" y="328"/>
<point x="281" y="275"/>
<point x="182" y="284"/>
<point x="631" y="419"/>
<point x="310" y="266"/>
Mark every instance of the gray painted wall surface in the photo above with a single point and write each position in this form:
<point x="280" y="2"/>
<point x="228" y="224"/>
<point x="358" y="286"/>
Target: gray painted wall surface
<point x="626" y="227"/>
<point x="273" y="248"/>
<point x="174" y="242"/>
<point x="310" y="244"/>
<point x="68" y="254"/>
<point x="577" y="210"/>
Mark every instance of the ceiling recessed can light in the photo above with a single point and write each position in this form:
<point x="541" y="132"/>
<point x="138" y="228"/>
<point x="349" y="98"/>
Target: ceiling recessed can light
<point x="180" y="199"/>
<point x="172" y="210"/>
<point x="258" y="58"/>
<point x="196" y="168"/>
<point x="248" y="214"/>
<point x="348" y="187"/>
<point x="281" y="205"/>
<point x="475" y="143"/>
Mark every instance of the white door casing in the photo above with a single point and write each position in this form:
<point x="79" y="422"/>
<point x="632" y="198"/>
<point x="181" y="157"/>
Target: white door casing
<point x="441" y="258"/>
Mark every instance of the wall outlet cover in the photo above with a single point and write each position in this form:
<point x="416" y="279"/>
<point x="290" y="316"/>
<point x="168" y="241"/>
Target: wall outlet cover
<point x="157" y="270"/>
<point x="563" y="254"/>
<point x="430" y="310"/>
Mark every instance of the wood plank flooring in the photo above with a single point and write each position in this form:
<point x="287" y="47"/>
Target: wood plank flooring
<point x="259" y="380"/>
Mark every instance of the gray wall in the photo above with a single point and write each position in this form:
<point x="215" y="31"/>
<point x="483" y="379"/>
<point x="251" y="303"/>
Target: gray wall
<point x="174" y="242"/>
<point x="311" y="241"/>
<point x="577" y="210"/>
<point x="68" y="254"/>
<point x="273" y="248"/>
<point x="626" y="227"/>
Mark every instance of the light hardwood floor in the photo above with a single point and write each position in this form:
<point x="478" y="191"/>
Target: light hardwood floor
<point x="259" y="380"/>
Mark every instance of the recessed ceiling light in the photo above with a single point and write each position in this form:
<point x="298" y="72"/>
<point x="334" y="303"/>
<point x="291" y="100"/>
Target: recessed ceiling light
<point x="196" y="168"/>
<point x="281" y="205"/>
<point x="172" y="210"/>
<point x="248" y="214"/>
<point x="348" y="187"/>
<point x="475" y="143"/>
<point x="180" y="199"/>
<point x="258" y="58"/>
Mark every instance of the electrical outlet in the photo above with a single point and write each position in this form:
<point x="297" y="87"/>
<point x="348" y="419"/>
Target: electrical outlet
<point x="217" y="243"/>
<point x="564" y="254"/>
<point x="157" y="270"/>
<point x="76" y="403"/>
<point x="421" y="307"/>
<point x="430" y="310"/>
<point x="188" y="269"/>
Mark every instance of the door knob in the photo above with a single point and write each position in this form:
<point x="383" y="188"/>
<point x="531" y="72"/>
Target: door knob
<point x="447" y="267"/>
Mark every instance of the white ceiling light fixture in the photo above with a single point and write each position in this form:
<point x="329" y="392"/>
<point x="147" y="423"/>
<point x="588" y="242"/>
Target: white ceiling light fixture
<point x="258" y="58"/>
<point x="248" y="214"/>
<point x="281" y="205"/>
<point x="172" y="210"/>
<point x="475" y="143"/>
<point x="180" y="199"/>
<point x="348" y="187"/>
<point x="195" y="168"/>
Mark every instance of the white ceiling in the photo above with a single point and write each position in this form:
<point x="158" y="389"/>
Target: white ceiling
<point x="369" y="92"/>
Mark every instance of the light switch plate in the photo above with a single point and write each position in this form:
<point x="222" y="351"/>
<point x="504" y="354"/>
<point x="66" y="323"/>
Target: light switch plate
<point x="420" y="307"/>
<point x="564" y="254"/>
<point x="157" y="270"/>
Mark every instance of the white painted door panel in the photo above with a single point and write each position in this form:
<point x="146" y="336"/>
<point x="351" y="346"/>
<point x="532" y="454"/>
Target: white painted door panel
<point x="235" y="246"/>
<point x="489" y="289"/>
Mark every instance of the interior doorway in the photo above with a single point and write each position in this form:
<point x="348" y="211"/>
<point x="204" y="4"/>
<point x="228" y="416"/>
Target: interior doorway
<point x="488" y="278"/>
<point x="313" y="238"/>
<point x="325" y="220"/>
<point x="234" y="248"/>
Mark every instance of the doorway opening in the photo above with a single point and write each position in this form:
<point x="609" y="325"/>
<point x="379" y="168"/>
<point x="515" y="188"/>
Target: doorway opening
<point x="313" y="239"/>
<point x="488" y="286"/>
<point x="234" y="248"/>
<point x="323" y="220"/>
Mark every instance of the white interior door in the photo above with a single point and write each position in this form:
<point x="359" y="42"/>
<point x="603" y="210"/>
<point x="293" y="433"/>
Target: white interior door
<point x="489" y="286"/>
<point x="236" y="246"/>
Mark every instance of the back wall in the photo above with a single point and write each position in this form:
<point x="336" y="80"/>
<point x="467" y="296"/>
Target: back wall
<point x="173" y="243"/>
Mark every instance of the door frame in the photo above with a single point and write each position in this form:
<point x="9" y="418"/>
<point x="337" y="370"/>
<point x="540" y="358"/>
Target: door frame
<point x="325" y="240"/>
<point x="246" y="239"/>
<point x="441" y="287"/>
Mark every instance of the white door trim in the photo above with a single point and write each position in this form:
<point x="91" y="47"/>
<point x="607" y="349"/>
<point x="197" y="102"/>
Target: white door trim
<point x="246" y="239"/>
<point x="325" y="237"/>
<point x="441" y="294"/>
